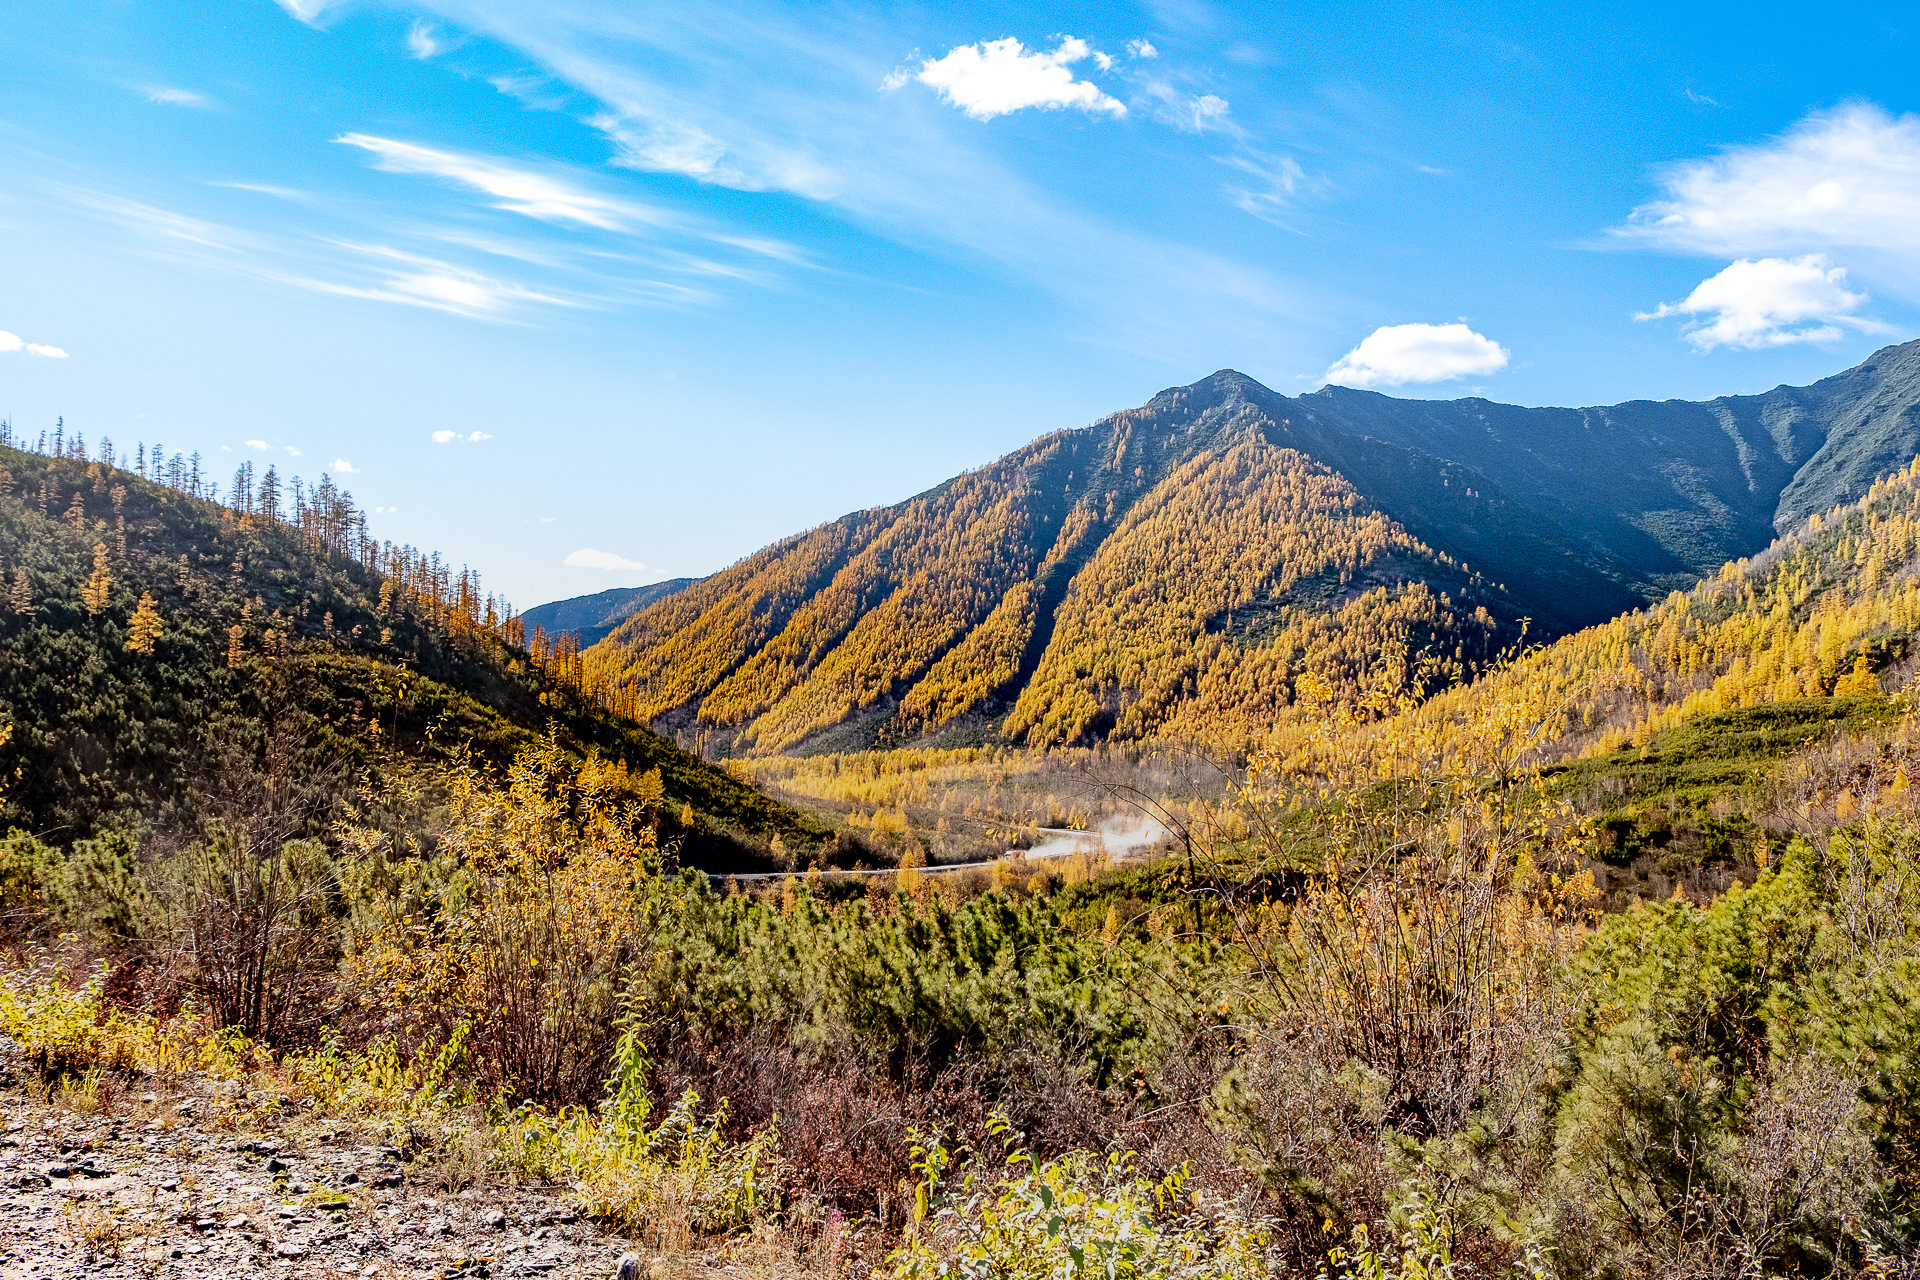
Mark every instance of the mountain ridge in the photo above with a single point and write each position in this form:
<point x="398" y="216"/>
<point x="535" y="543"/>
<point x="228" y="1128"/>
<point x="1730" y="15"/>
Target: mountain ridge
<point x="1085" y="586"/>
<point x="592" y="618"/>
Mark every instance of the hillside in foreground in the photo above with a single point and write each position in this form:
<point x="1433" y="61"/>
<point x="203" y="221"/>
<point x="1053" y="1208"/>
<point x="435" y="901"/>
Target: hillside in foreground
<point x="1179" y="570"/>
<point x="160" y="646"/>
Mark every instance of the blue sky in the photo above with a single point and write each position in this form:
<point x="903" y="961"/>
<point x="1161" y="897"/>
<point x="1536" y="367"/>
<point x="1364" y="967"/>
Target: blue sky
<point x="663" y="282"/>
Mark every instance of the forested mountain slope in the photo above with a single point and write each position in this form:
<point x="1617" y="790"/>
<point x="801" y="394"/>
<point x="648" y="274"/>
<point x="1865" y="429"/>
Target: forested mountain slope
<point x="1831" y="608"/>
<point x="1178" y="569"/>
<point x="153" y="640"/>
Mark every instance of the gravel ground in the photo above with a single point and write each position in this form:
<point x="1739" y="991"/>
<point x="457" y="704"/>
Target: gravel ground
<point x="177" y="1182"/>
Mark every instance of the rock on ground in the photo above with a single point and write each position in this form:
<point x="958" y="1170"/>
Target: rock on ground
<point x="177" y="1181"/>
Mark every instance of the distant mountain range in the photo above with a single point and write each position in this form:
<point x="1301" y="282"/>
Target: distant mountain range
<point x="593" y="618"/>
<point x="1195" y="566"/>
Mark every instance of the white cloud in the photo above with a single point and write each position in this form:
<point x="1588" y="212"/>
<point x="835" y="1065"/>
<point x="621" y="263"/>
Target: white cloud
<point x="588" y="558"/>
<point x="478" y="435"/>
<point x="421" y="42"/>
<point x="662" y="146"/>
<point x="428" y="282"/>
<point x="260" y="445"/>
<point x="265" y="189"/>
<point x="537" y="195"/>
<point x="1197" y="114"/>
<point x="811" y="125"/>
<point x="1395" y="354"/>
<point x="1846" y="179"/>
<point x="1277" y="181"/>
<point x="445" y="437"/>
<point x="1759" y="304"/>
<point x="997" y="77"/>
<point x="344" y="467"/>
<point x="293" y="452"/>
<point x="168" y="96"/>
<point x="307" y="11"/>
<point x="1141" y="49"/>
<point x="13" y="342"/>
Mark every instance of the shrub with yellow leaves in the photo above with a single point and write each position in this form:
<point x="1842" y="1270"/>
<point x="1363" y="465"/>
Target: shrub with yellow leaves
<point x="521" y="923"/>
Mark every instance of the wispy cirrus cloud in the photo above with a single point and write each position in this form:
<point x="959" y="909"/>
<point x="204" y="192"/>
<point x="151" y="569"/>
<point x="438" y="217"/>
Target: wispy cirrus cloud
<point x="307" y="11"/>
<point x="172" y="96"/>
<point x="670" y="98"/>
<point x="1845" y="179"/>
<point x="268" y="189"/>
<point x="1270" y="186"/>
<point x="513" y="188"/>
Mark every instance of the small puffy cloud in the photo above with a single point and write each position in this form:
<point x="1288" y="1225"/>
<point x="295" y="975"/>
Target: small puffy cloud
<point x="1846" y="179"/>
<point x="517" y="190"/>
<point x="293" y="452"/>
<point x="588" y="558"/>
<point x="1767" y="302"/>
<point x="1141" y="49"/>
<point x="14" y="342"/>
<point x="345" y="468"/>
<point x="445" y="437"/>
<point x="1396" y="354"/>
<point x="421" y="42"/>
<point x="260" y="445"/>
<point x="168" y="96"/>
<point x="998" y="77"/>
<point x="478" y="435"/>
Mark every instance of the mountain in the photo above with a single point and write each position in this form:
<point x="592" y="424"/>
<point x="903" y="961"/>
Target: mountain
<point x="1183" y="568"/>
<point x="152" y="641"/>
<point x="593" y="618"/>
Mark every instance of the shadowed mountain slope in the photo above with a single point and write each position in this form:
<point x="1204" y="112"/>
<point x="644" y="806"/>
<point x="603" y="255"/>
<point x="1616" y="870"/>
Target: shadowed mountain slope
<point x="1181" y="568"/>
<point x="593" y="618"/>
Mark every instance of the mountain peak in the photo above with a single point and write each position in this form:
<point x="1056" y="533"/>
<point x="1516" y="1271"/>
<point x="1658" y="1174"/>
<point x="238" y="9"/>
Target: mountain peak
<point x="1176" y="568"/>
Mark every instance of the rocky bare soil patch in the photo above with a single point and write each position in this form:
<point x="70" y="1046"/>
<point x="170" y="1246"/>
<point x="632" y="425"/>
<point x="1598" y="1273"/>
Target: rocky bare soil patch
<point x="188" y="1180"/>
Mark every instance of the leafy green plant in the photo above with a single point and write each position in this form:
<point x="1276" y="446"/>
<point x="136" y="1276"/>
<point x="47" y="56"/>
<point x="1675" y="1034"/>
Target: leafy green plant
<point x="681" y="1171"/>
<point x="1079" y="1214"/>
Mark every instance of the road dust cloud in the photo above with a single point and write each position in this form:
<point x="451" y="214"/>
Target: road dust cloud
<point x="1122" y="837"/>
